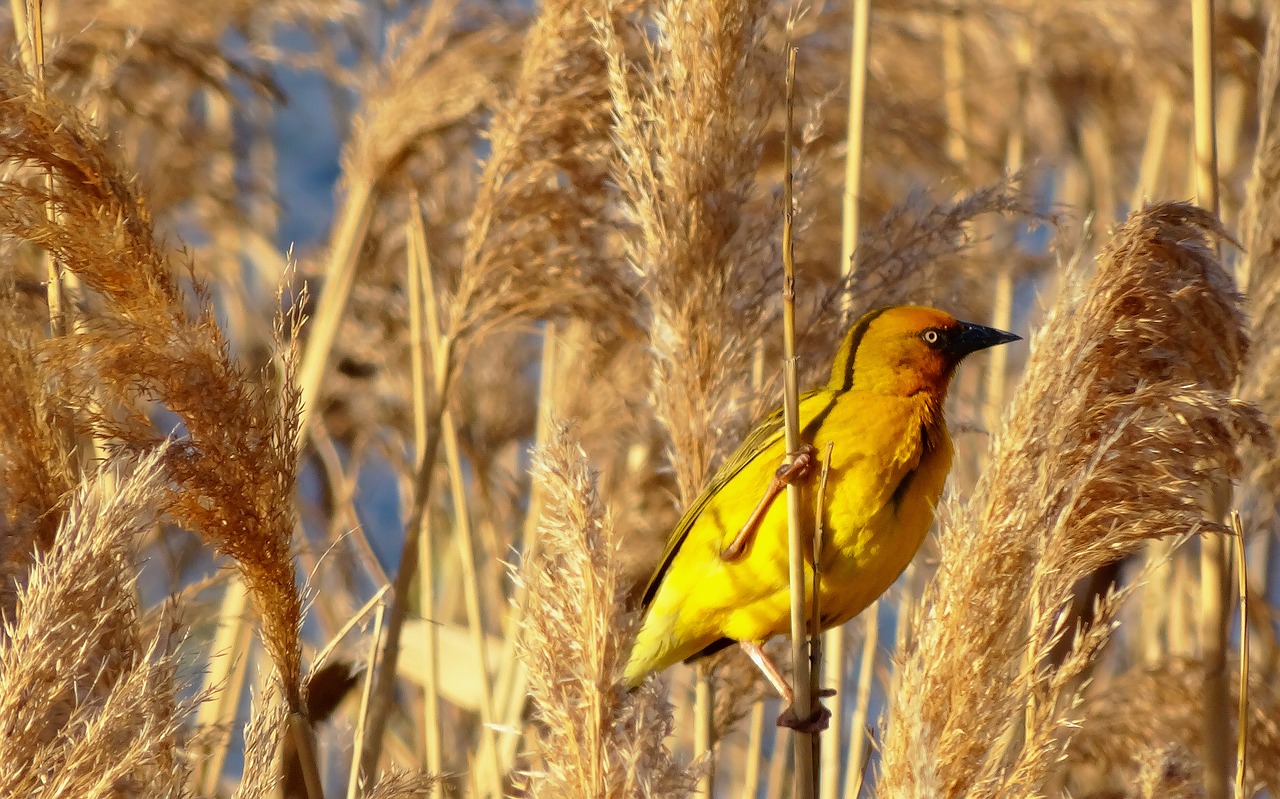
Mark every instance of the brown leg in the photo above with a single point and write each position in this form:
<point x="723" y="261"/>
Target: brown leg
<point x="799" y="468"/>
<point x="771" y="672"/>
<point x="817" y="720"/>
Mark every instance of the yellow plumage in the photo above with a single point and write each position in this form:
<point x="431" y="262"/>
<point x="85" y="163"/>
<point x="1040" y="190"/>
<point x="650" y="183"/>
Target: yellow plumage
<point x="881" y="413"/>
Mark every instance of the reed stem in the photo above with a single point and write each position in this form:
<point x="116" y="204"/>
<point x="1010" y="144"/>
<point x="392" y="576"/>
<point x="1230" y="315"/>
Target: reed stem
<point x="866" y="673"/>
<point x="797" y="534"/>
<point x="1242" y="686"/>
<point x="353" y="778"/>
<point x="422" y="313"/>
<point x="1214" y="566"/>
<point x="703" y="737"/>
<point x="340" y="277"/>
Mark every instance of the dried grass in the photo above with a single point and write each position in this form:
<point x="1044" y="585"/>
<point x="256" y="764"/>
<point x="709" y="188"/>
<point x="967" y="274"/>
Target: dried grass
<point x="35" y="464"/>
<point x="235" y="467"/>
<point x="1155" y="711"/>
<point x="89" y="706"/>
<point x="596" y="738"/>
<point x="688" y="151"/>
<point x="1121" y="426"/>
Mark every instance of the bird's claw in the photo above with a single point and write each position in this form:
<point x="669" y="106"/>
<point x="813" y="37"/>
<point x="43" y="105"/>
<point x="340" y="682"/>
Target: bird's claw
<point x="799" y="466"/>
<point x="816" y="722"/>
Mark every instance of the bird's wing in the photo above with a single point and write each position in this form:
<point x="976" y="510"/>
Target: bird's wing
<point x="759" y="440"/>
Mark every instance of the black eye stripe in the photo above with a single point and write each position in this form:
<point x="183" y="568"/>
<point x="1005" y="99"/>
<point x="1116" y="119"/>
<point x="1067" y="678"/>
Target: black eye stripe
<point x="933" y="337"/>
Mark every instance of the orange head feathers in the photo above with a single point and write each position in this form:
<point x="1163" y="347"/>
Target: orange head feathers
<point x="905" y="349"/>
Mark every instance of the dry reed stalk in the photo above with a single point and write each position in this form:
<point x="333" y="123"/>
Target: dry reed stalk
<point x="32" y="34"/>
<point x="597" y="739"/>
<point x="353" y="776"/>
<point x="798" y="534"/>
<point x="531" y="242"/>
<point x="953" y="70"/>
<point x="1122" y="421"/>
<point x="753" y="754"/>
<point x="855" y="127"/>
<point x="834" y="642"/>
<point x="1215" y="565"/>
<point x="858" y="749"/>
<point x="1147" y="186"/>
<point x="511" y="684"/>
<point x="421" y="306"/>
<point x="225" y="670"/>
<point x="1242" y="673"/>
<point x="88" y="705"/>
<point x="490" y="775"/>
<point x="704" y="739"/>
<point x="1002" y="305"/>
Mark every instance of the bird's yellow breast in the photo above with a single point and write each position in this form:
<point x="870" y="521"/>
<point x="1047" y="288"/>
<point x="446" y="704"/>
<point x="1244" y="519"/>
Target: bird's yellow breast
<point x="889" y="458"/>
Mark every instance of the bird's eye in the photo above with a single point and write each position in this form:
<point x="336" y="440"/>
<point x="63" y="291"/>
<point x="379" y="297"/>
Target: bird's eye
<point x="931" y="337"/>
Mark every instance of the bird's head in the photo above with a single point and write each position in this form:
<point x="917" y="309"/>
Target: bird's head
<point x="907" y="349"/>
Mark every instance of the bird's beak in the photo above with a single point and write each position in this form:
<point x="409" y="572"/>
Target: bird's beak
<point x="977" y="337"/>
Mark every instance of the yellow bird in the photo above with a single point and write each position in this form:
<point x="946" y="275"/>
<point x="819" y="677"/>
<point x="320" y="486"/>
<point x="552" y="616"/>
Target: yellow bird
<point x="724" y="576"/>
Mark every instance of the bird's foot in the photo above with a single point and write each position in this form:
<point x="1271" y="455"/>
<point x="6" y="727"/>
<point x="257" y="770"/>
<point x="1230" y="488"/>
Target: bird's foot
<point x="799" y="467"/>
<point x="814" y="723"/>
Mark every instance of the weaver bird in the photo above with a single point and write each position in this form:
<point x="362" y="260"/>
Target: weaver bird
<point x="724" y="576"/>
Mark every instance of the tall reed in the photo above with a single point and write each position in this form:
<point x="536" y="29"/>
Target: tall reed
<point x="1121" y="426"/>
<point x="595" y="737"/>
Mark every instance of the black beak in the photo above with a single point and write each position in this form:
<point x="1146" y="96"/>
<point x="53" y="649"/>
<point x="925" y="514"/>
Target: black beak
<point x="973" y="337"/>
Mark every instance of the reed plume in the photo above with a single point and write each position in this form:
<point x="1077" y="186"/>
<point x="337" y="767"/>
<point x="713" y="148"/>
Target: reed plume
<point x="263" y="739"/>
<point x="1143" y="715"/>
<point x="1122" y="423"/>
<point x="596" y="738"/>
<point x="233" y="469"/>
<point x="35" y="465"/>
<point x="89" y="704"/>
<point x="688" y="151"/>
